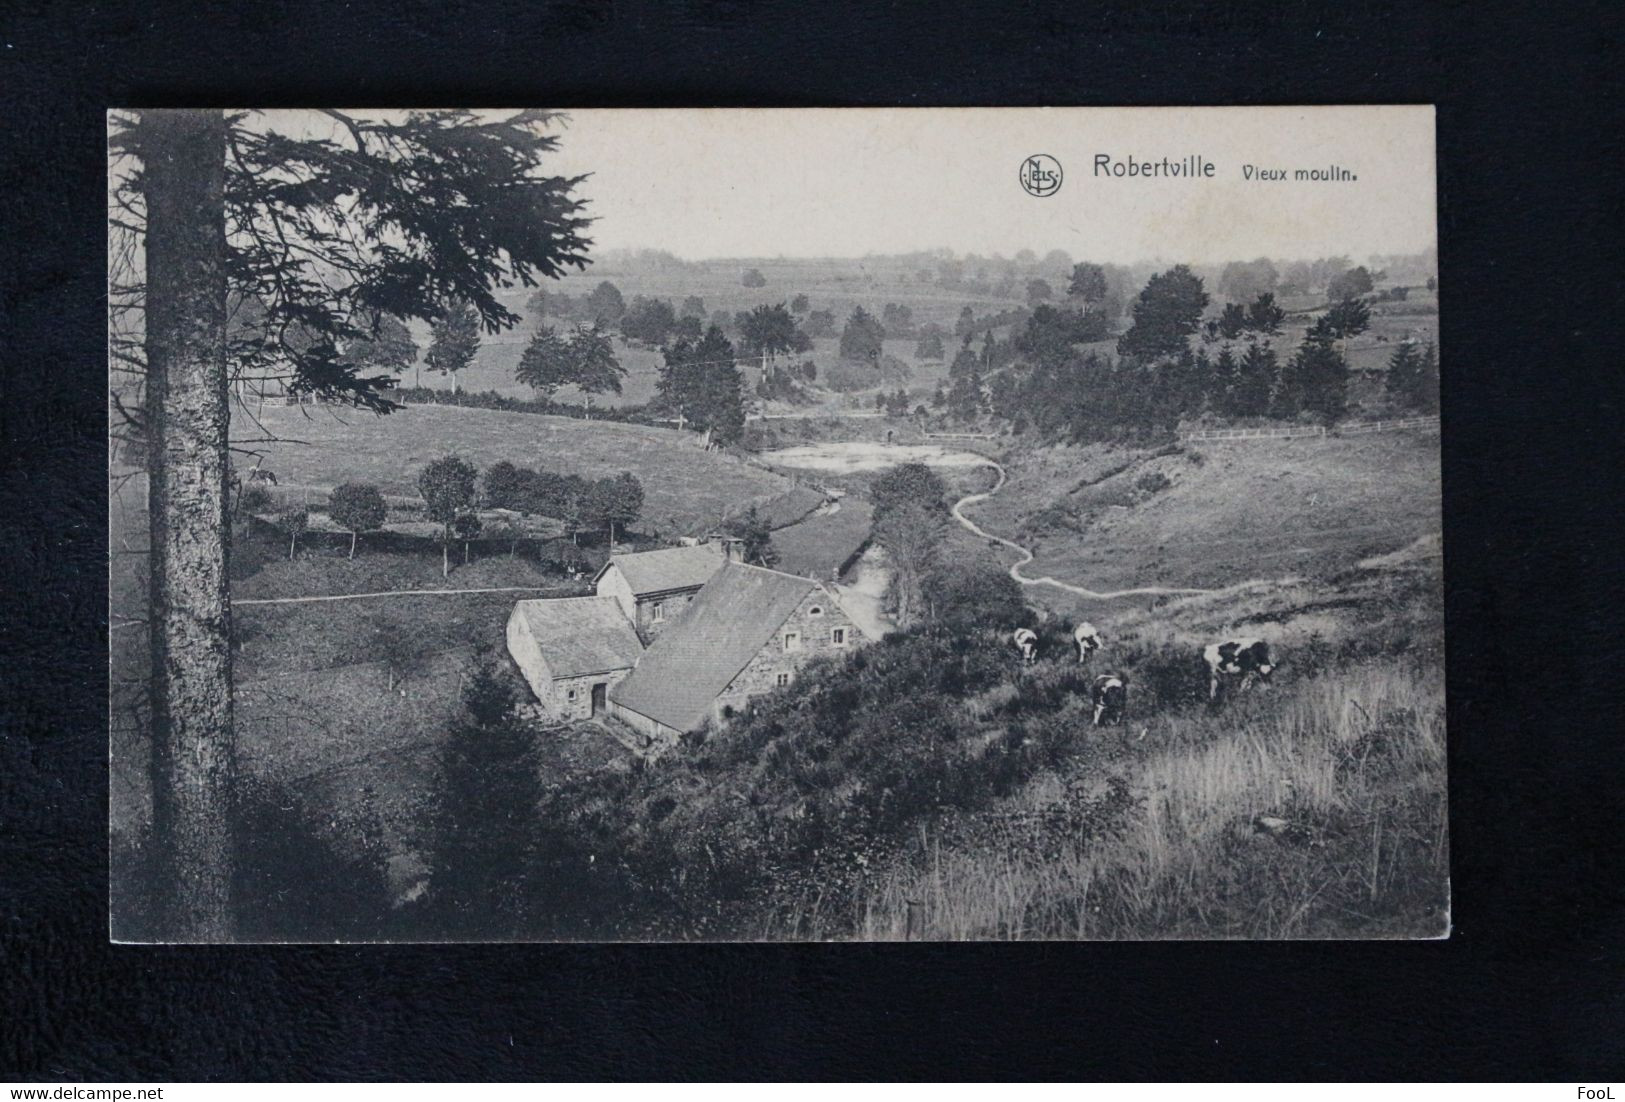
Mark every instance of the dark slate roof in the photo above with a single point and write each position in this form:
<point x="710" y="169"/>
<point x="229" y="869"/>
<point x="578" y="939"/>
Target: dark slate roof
<point x="580" y="635"/>
<point x="668" y="568"/>
<point x="730" y="620"/>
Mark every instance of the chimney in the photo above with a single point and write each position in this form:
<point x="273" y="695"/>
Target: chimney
<point x="733" y="549"/>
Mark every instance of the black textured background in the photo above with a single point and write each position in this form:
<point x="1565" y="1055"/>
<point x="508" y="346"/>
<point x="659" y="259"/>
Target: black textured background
<point x="1532" y="985"/>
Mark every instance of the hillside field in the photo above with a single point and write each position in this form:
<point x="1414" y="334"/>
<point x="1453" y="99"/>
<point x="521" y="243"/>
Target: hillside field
<point x="685" y="487"/>
<point x="1215" y="513"/>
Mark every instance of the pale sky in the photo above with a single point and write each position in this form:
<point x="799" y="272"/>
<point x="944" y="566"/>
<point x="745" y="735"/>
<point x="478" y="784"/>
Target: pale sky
<point x="704" y="183"/>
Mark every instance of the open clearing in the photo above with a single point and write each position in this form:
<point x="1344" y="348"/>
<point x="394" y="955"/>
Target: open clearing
<point x="685" y="487"/>
<point x="1218" y="513"/>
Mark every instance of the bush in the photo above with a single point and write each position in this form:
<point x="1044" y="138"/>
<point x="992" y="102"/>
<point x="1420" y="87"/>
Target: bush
<point x="966" y="597"/>
<point x="1152" y="482"/>
<point x="503" y="486"/>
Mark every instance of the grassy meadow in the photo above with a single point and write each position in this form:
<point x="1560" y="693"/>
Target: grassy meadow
<point x="1213" y="513"/>
<point x="685" y="488"/>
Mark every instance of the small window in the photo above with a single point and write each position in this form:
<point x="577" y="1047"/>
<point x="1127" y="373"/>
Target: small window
<point x="838" y="637"/>
<point x="571" y="695"/>
<point x="783" y="679"/>
<point x="659" y="610"/>
<point x="792" y="640"/>
<point x="816" y="610"/>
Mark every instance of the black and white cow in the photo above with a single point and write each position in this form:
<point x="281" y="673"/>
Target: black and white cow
<point x="1109" y="694"/>
<point x="1087" y="639"/>
<point x="1026" y="641"/>
<point x="1246" y="659"/>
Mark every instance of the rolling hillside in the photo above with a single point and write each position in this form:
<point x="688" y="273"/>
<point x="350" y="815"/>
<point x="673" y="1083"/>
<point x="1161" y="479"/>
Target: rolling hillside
<point x="684" y="486"/>
<point x="1216" y="513"/>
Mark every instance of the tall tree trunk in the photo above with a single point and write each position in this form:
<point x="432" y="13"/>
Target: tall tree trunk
<point x="352" y="546"/>
<point x="445" y="555"/>
<point x="187" y="415"/>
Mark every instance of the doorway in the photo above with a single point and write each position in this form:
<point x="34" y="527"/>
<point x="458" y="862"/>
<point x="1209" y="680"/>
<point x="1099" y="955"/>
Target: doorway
<point x="598" y="691"/>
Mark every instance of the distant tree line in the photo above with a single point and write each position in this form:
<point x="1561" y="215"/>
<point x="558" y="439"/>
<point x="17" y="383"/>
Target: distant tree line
<point x="1158" y="378"/>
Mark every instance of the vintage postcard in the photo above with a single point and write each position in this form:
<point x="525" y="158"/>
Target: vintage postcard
<point x="852" y="524"/>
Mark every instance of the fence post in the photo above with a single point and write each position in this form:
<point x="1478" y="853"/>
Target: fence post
<point x="912" y="928"/>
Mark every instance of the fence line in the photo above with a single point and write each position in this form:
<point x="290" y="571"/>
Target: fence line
<point x="815" y="416"/>
<point x="1354" y="429"/>
<point x="391" y="593"/>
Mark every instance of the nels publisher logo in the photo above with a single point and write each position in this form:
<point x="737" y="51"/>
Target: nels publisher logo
<point x="1041" y="175"/>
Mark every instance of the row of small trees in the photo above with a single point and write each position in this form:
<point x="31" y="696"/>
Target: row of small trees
<point x="451" y="493"/>
<point x="581" y="503"/>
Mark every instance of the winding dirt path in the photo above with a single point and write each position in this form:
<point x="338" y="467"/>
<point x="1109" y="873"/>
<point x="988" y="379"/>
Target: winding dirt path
<point x="1027" y="555"/>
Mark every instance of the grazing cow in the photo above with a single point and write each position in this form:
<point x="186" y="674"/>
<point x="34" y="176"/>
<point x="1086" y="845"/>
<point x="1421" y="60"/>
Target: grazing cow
<point x="1087" y="639"/>
<point x="256" y="474"/>
<point x="1026" y="640"/>
<point x="1109" y="695"/>
<point x="1248" y="659"/>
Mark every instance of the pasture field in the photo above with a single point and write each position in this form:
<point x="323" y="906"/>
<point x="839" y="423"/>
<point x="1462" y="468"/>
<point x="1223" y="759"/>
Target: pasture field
<point x="1216" y="512"/>
<point x="685" y="488"/>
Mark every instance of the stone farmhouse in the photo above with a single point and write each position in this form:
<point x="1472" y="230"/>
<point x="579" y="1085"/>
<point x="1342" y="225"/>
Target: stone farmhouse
<point x="746" y="633"/>
<point x="571" y="650"/>
<point x="653" y="587"/>
<point x="713" y="641"/>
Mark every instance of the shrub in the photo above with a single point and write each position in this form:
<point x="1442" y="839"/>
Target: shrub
<point x="1152" y="482"/>
<point x="965" y="597"/>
